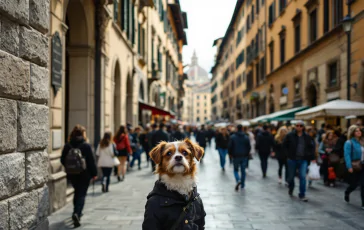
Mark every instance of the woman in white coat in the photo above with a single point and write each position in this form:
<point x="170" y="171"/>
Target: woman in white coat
<point x="106" y="153"/>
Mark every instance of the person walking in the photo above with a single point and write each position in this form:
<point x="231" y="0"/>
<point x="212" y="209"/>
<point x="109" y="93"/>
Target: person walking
<point x="325" y="149"/>
<point x="264" y="146"/>
<point x="321" y="132"/>
<point x="150" y="144"/>
<point x="106" y="151"/>
<point x="354" y="158"/>
<point x="239" y="149"/>
<point x="201" y="139"/>
<point x="222" y="143"/>
<point x="158" y="137"/>
<point x="121" y="140"/>
<point x="143" y="139"/>
<point x="177" y="134"/>
<point x="280" y="154"/>
<point x="300" y="150"/>
<point x="137" y="148"/>
<point x="78" y="160"/>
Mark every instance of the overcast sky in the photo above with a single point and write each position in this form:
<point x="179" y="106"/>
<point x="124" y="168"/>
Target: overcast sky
<point x="207" y="20"/>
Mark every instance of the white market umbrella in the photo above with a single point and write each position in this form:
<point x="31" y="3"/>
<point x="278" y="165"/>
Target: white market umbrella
<point x="336" y="108"/>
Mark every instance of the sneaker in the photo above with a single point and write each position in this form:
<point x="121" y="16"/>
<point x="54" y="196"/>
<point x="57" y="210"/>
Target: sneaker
<point x="304" y="199"/>
<point x="347" y="198"/>
<point x="280" y="180"/>
<point x="264" y="175"/>
<point x="223" y="169"/>
<point x="139" y="168"/>
<point x="237" y="186"/>
<point x="76" y="220"/>
<point x="103" y="188"/>
<point x="290" y="192"/>
<point x="119" y="178"/>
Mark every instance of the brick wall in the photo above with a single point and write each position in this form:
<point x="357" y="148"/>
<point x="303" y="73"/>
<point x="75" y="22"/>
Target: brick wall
<point x="24" y="92"/>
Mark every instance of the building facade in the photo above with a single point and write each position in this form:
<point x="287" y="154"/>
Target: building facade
<point x="24" y="114"/>
<point x="197" y="101"/>
<point x="113" y="62"/>
<point x="294" y="54"/>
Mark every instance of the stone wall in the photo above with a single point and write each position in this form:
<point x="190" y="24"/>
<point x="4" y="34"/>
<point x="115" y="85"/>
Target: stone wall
<point x="24" y="92"/>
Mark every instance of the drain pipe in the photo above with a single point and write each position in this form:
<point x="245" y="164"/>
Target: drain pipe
<point x="97" y="82"/>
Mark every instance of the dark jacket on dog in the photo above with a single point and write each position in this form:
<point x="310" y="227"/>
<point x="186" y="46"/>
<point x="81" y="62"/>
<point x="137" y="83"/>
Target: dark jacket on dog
<point x="164" y="207"/>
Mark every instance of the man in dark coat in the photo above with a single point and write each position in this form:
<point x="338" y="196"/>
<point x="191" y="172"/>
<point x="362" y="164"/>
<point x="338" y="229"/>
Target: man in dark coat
<point x="158" y="137"/>
<point x="177" y="134"/>
<point x="239" y="149"/>
<point x="300" y="150"/>
<point x="164" y="208"/>
<point x="264" y="146"/>
<point x="149" y="137"/>
<point x="201" y="139"/>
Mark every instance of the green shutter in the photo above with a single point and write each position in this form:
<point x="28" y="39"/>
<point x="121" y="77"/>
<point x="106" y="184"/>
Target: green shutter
<point x="116" y="10"/>
<point x="132" y="23"/>
<point x="139" y="38"/>
<point x="122" y="15"/>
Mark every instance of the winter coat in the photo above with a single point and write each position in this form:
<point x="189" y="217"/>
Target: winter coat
<point x="106" y="156"/>
<point x="86" y="150"/>
<point x="290" y="143"/>
<point x="279" y="150"/>
<point x="239" y="145"/>
<point x="265" y="143"/>
<point x="222" y="141"/>
<point x="339" y="146"/>
<point x="177" y="136"/>
<point x="158" y="137"/>
<point x="123" y="142"/>
<point x="352" y="152"/>
<point x="201" y="138"/>
<point x="164" y="207"/>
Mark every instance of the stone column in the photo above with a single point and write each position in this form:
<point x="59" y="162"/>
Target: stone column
<point x="24" y="89"/>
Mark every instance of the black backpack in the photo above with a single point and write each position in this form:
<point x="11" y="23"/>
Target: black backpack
<point x="75" y="163"/>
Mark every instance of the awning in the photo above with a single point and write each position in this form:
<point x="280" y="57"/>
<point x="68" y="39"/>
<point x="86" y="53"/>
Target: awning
<point x="243" y="122"/>
<point x="336" y="108"/>
<point x="285" y="115"/>
<point x="155" y="110"/>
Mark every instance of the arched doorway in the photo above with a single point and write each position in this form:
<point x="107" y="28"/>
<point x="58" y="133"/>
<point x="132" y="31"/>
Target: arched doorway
<point x="312" y="95"/>
<point x="78" y="71"/>
<point x="129" y="100"/>
<point x="117" y="97"/>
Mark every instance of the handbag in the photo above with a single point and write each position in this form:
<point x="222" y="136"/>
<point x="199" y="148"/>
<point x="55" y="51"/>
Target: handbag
<point x="116" y="161"/>
<point x="334" y="158"/>
<point x="355" y="164"/>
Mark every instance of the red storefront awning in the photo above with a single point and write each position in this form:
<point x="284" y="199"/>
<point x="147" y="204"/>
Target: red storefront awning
<point x="155" y="110"/>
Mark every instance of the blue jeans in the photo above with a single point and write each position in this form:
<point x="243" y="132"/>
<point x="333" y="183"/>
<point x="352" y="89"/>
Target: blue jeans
<point x="240" y="162"/>
<point x="222" y="153"/>
<point x="136" y="156"/>
<point x="301" y="165"/>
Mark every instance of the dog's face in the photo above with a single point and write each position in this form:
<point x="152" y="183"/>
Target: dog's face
<point x="176" y="157"/>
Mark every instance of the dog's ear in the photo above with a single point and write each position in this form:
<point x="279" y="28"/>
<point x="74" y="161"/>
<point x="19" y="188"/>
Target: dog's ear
<point x="156" y="153"/>
<point x="195" y="148"/>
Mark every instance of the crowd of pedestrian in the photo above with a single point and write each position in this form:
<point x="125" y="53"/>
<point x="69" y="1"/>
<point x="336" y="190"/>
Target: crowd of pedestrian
<point x="339" y="154"/>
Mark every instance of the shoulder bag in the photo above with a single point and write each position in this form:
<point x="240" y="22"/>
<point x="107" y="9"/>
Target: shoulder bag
<point x="355" y="164"/>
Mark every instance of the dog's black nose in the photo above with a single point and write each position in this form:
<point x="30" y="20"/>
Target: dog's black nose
<point x="178" y="158"/>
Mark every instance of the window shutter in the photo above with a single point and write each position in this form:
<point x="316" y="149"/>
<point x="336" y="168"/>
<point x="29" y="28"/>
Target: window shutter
<point x="165" y="22"/>
<point x="116" y="10"/>
<point x="139" y="38"/>
<point x="132" y="23"/>
<point x="126" y="15"/>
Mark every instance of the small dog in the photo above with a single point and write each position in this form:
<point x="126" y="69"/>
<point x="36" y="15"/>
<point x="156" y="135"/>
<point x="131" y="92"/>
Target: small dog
<point x="174" y="201"/>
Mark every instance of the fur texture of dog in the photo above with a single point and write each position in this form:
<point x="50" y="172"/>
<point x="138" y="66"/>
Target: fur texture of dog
<point x="176" y="164"/>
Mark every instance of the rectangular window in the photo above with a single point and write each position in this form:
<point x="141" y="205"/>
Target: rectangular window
<point x="257" y="73"/>
<point x="337" y="11"/>
<point x="253" y="14"/>
<point x="248" y="23"/>
<point x="258" y="6"/>
<point x="333" y="74"/>
<point x="262" y="68"/>
<point x="297" y="38"/>
<point x="326" y="16"/>
<point x="263" y="2"/>
<point x="271" y="56"/>
<point x="132" y="23"/>
<point x="297" y="87"/>
<point x="116" y="10"/>
<point x="313" y="25"/>
<point x="272" y="13"/>
<point x="283" y="89"/>
<point x="283" y="49"/>
<point x="282" y="5"/>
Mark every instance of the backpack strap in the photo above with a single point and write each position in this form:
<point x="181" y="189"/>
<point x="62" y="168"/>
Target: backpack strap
<point x="184" y="213"/>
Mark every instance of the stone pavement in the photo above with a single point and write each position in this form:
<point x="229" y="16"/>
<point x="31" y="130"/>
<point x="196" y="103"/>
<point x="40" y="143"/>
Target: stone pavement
<point x="263" y="205"/>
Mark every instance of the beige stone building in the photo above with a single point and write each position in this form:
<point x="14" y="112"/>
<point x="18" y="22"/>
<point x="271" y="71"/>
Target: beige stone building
<point x="126" y="68"/>
<point x="287" y="54"/>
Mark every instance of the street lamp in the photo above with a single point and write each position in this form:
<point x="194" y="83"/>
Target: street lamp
<point x="347" y="23"/>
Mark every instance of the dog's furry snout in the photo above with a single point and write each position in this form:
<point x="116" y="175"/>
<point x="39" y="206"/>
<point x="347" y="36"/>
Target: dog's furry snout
<point x="178" y="158"/>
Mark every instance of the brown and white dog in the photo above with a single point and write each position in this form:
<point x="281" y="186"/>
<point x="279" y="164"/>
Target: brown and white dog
<point x="176" y="166"/>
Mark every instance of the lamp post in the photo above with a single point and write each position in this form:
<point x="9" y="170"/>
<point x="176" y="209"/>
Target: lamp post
<point x="347" y="26"/>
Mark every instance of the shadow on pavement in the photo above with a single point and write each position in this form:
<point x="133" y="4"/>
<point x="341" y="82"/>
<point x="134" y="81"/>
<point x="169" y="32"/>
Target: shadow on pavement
<point x="65" y="224"/>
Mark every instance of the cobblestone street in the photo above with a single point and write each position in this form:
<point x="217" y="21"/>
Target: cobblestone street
<point x="263" y="205"/>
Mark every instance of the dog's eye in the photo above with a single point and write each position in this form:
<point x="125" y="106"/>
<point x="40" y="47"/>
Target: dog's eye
<point x="169" y="154"/>
<point x="184" y="153"/>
